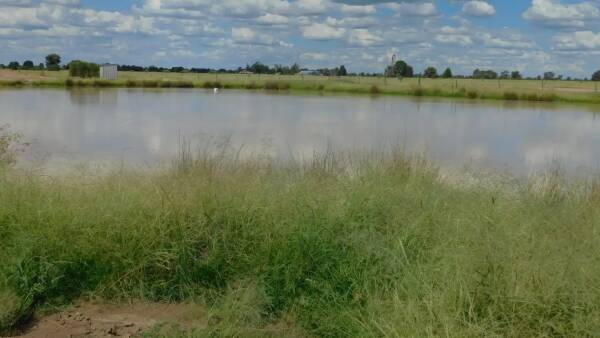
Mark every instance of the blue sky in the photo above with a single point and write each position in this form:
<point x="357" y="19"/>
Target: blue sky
<point x="532" y="36"/>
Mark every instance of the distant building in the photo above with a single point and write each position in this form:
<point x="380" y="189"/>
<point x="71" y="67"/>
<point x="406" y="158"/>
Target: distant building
<point x="247" y="72"/>
<point x="109" y="71"/>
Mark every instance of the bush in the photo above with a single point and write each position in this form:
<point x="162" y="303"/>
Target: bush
<point x="83" y="69"/>
<point x="131" y="83"/>
<point x="212" y="84"/>
<point x="322" y="88"/>
<point x="375" y="90"/>
<point x="471" y="94"/>
<point x="273" y="85"/>
<point x="101" y="83"/>
<point x="150" y="83"/>
<point x="511" y="96"/>
<point x="418" y="91"/>
<point x="252" y="85"/>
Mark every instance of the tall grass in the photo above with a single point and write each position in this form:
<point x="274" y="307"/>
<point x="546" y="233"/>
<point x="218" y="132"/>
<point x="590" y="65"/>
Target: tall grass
<point x="343" y="245"/>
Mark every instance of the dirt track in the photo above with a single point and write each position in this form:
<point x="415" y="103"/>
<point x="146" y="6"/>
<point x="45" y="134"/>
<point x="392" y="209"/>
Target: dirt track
<point x="93" y="320"/>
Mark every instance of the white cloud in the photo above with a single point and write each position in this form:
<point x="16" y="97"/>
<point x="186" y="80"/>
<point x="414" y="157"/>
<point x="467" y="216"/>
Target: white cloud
<point x="423" y="9"/>
<point x="272" y="19"/>
<point x="581" y="40"/>
<point x="363" y="38"/>
<point x="478" y="8"/>
<point x="320" y="31"/>
<point x="554" y="13"/>
<point x="358" y="10"/>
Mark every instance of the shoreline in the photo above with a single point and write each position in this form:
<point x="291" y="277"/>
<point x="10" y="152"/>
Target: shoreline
<point x="332" y="87"/>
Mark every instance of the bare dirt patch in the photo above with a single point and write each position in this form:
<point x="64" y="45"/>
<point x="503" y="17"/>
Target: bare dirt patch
<point x="11" y="75"/>
<point x="101" y="320"/>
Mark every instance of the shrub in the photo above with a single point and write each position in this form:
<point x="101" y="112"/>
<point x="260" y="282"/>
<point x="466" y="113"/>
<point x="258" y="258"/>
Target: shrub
<point x="252" y="85"/>
<point x="212" y="84"/>
<point x="471" y="94"/>
<point x="131" y="83"/>
<point x="69" y="82"/>
<point x="150" y="83"/>
<point x="101" y="83"/>
<point x="375" y="90"/>
<point x="83" y="69"/>
<point x="511" y="96"/>
<point x="322" y="87"/>
<point x="418" y="91"/>
<point x="273" y="85"/>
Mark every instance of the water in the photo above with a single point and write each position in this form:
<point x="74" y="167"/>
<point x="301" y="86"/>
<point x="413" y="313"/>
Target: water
<point x="145" y="126"/>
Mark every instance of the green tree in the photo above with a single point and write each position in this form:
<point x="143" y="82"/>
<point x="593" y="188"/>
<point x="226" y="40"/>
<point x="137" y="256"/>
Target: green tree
<point x="400" y="69"/>
<point x="79" y="68"/>
<point x="53" y="62"/>
<point x="28" y="64"/>
<point x="596" y="76"/>
<point x="516" y="75"/>
<point x="430" y="72"/>
<point x="342" y="71"/>
<point x="549" y="76"/>
<point x="14" y="65"/>
<point x="447" y="73"/>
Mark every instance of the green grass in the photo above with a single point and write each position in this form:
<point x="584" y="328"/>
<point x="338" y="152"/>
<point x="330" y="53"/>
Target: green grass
<point x="525" y="90"/>
<point x="345" y="245"/>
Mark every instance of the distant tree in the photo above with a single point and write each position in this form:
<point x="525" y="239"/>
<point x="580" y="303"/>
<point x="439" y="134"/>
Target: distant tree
<point x="79" y="68"/>
<point x="484" y="74"/>
<point x="258" y="68"/>
<point x="14" y="65"/>
<point x="430" y="72"/>
<point x="549" y="76"/>
<point x="2" y="66"/>
<point x="342" y="71"/>
<point x="400" y="69"/>
<point x="41" y="66"/>
<point x="596" y="76"/>
<point x="504" y="75"/>
<point x="447" y="73"/>
<point x="53" y="62"/>
<point x="177" y="69"/>
<point x="28" y="64"/>
<point x="516" y="75"/>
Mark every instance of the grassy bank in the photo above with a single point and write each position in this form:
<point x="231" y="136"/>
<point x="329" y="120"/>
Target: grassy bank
<point x="372" y="245"/>
<point x="523" y="90"/>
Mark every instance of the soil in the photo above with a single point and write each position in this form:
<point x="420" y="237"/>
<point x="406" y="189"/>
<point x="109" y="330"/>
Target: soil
<point x="101" y="320"/>
<point x="6" y="74"/>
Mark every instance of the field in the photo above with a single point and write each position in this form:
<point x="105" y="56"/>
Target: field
<point x="529" y="90"/>
<point x="377" y="244"/>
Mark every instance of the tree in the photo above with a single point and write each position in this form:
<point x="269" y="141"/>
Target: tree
<point x="516" y="75"/>
<point x="596" y="76"/>
<point x="342" y="71"/>
<point x="447" y="73"/>
<point x="549" y="76"/>
<point x="14" y="65"/>
<point x="41" y="66"/>
<point x="484" y="74"/>
<point x="504" y="75"/>
<point x="400" y="69"/>
<point x="83" y="69"/>
<point x="53" y="62"/>
<point x="28" y="64"/>
<point x="430" y="72"/>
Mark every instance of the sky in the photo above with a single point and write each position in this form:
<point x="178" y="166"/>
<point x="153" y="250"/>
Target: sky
<point x="532" y="36"/>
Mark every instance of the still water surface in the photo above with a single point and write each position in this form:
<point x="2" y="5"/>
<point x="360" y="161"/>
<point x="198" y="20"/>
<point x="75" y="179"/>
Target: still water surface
<point x="145" y="126"/>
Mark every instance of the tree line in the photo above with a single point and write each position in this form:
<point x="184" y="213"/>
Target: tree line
<point x="52" y="64"/>
<point x="402" y="69"/>
<point x="399" y="69"/>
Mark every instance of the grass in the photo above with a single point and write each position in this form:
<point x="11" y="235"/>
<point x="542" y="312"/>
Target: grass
<point x="345" y="245"/>
<point x="524" y="90"/>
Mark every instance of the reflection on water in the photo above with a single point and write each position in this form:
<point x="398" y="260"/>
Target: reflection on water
<point x="144" y="126"/>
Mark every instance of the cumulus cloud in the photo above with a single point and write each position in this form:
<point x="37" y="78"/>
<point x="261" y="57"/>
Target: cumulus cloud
<point x="321" y="31"/>
<point x="478" y="8"/>
<point x="580" y="40"/>
<point x="554" y="13"/>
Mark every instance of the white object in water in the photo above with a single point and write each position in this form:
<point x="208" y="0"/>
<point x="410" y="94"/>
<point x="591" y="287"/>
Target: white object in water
<point x="215" y="90"/>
